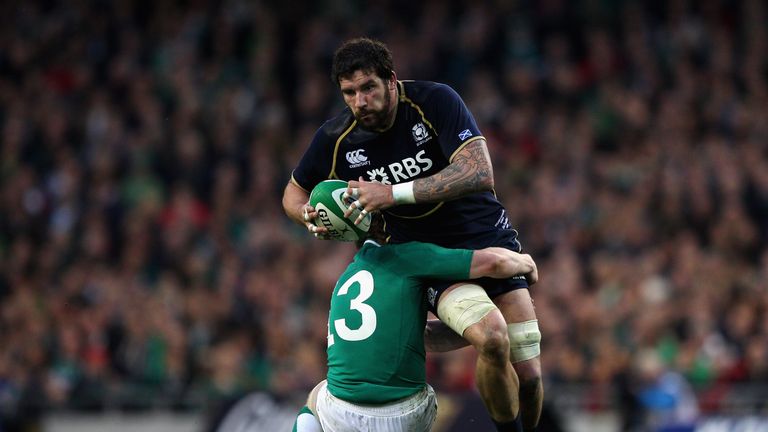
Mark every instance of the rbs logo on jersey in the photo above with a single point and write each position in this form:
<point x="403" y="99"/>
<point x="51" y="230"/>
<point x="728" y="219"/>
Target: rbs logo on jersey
<point x="401" y="171"/>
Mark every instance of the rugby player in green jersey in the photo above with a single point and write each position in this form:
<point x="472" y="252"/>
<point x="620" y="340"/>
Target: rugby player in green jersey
<point x="376" y="333"/>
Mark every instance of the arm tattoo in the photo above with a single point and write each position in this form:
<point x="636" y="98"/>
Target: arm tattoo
<point x="470" y="171"/>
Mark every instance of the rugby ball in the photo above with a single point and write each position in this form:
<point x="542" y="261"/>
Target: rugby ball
<point x="328" y="200"/>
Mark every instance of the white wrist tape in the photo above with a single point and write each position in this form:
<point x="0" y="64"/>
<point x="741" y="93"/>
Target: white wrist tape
<point x="403" y="193"/>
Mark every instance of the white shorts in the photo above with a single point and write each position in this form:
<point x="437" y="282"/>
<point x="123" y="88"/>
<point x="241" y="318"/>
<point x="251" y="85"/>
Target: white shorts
<point x="412" y="414"/>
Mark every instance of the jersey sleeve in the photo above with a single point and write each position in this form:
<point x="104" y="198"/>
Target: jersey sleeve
<point x="426" y="260"/>
<point x="452" y="120"/>
<point x="315" y="165"/>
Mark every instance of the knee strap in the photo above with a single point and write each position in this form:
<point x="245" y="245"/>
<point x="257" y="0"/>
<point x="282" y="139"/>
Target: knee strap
<point x="524" y="339"/>
<point x="463" y="306"/>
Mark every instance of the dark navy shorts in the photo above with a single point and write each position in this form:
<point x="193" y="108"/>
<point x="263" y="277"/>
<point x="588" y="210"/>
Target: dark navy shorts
<point x="494" y="287"/>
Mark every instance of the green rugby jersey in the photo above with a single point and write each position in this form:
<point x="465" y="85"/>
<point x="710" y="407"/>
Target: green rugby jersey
<point x="376" y="321"/>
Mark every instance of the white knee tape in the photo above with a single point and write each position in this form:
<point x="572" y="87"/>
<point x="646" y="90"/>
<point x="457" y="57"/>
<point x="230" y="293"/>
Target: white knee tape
<point x="524" y="339"/>
<point x="464" y="306"/>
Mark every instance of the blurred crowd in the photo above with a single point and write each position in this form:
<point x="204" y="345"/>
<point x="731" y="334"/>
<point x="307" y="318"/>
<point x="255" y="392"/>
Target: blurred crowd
<point x="146" y="262"/>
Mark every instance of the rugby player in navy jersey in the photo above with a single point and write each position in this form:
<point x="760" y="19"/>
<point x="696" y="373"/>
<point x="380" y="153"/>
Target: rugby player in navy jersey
<point x="412" y="150"/>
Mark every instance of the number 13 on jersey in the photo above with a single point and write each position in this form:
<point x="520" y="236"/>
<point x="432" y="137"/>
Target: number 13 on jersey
<point x="357" y="304"/>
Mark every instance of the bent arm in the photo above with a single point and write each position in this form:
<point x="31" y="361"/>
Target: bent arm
<point x="438" y="337"/>
<point x="294" y="199"/>
<point x="470" y="171"/>
<point x="500" y="263"/>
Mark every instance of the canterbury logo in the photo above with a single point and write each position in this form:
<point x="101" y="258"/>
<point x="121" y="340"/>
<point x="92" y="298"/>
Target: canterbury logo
<point x="356" y="156"/>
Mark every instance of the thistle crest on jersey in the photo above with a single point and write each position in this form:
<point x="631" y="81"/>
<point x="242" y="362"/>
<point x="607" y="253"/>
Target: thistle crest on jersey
<point x="420" y="133"/>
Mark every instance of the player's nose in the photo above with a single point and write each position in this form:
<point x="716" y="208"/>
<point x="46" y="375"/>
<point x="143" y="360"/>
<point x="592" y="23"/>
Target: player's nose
<point x="360" y="101"/>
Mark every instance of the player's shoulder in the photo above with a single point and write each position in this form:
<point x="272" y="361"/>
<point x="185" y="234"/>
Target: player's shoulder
<point x="336" y="126"/>
<point x="410" y="248"/>
<point x="373" y="248"/>
<point x="429" y="95"/>
<point x="421" y="92"/>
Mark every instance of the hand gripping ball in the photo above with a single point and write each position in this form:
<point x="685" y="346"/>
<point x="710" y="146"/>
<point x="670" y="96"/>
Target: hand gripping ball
<point x="327" y="199"/>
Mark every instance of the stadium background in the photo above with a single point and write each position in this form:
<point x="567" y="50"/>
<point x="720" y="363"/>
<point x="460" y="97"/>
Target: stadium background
<point x="148" y="275"/>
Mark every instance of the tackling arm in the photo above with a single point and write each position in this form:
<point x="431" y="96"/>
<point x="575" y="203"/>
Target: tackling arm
<point x="500" y="263"/>
<point x="492" y="262"/>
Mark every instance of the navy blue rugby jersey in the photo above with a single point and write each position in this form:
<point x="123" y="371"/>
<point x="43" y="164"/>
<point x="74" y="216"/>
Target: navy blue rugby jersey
<point x="431" y="126"/>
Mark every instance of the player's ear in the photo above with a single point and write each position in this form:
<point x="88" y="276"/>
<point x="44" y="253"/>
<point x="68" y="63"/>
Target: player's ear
<point x="392" y="84"/>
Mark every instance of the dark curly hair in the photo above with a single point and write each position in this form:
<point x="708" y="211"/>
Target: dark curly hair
<point x="376" y="230"/>
<point x="362" y="54"/>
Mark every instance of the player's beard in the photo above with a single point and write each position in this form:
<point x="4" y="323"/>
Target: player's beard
<point x="376" y="120"/>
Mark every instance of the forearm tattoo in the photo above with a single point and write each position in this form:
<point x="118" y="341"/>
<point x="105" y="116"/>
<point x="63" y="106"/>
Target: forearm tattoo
<point x="471" y="171"/>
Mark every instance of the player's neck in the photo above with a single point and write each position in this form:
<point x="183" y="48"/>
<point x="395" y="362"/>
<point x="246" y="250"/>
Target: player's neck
<point x="395" y="98"/>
